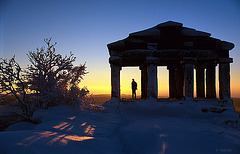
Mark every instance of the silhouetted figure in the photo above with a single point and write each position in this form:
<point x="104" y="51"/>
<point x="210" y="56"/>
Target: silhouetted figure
<point x="134" y="88"/>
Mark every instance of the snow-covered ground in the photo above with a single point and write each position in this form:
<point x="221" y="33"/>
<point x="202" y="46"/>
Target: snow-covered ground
<point x="136" y="127"/>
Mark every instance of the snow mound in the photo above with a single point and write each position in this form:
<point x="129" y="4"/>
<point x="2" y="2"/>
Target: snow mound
<point x="21" y="126"/>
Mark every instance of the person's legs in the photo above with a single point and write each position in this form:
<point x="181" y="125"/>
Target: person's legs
<point x="135" y="94"/>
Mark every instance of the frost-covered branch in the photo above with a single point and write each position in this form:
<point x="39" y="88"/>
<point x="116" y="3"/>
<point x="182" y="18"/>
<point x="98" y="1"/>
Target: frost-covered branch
<point x="12" y="82"/>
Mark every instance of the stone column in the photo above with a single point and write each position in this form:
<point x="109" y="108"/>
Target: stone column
<point x="224" y="78"/>
<point x="179" y="81"/>
<point x="144" y="81"/>
<point x="188" y="80"/>
<point x="152" y="81"/>
<point x="115" y="80"/>
<point x="210" y="80"/>
<point x="200" y="80"/>
<point x="172" y="81"/>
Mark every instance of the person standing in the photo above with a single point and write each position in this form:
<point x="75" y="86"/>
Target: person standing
<point x="134" y="88"/>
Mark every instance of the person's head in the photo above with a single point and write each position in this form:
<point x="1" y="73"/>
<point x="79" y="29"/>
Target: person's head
<point x="132" y="79"/>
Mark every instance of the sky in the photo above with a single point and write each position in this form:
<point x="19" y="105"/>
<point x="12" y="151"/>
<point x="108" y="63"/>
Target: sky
<point x="85" y="27"/>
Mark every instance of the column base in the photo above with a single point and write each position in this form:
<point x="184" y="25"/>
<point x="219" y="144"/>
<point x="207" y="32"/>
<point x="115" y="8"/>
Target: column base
<point x="188" y="98"/>
<point x="227" y="102"/>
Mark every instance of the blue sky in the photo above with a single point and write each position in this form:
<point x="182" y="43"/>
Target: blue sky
<point x="85" y="27"/>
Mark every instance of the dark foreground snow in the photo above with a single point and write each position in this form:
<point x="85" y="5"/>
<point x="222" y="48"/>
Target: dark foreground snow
<point x="136" y="127"/>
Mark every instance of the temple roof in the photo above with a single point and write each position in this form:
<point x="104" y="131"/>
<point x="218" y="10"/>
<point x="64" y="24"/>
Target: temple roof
<point x="170" y="35"/>
<point x="167" y="43"/>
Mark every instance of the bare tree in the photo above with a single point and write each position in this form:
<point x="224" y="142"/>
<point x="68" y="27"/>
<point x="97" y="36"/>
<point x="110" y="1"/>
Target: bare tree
<point x="13" y="82"/>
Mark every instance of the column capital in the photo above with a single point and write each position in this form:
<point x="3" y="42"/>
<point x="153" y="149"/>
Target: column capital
<point x="172" y="66"/>
<point x="151" y="60"/>
<point x="225" y="60"/>
<point x="187" y="60"/>
<point x="200" y="65"/>
<point x="115" y="60"/>
<point x="141" y="67"/>
<point x="211" y="63"/>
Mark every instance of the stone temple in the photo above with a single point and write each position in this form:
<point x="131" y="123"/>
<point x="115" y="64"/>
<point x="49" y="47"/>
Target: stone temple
<point x="182" y="50"/>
